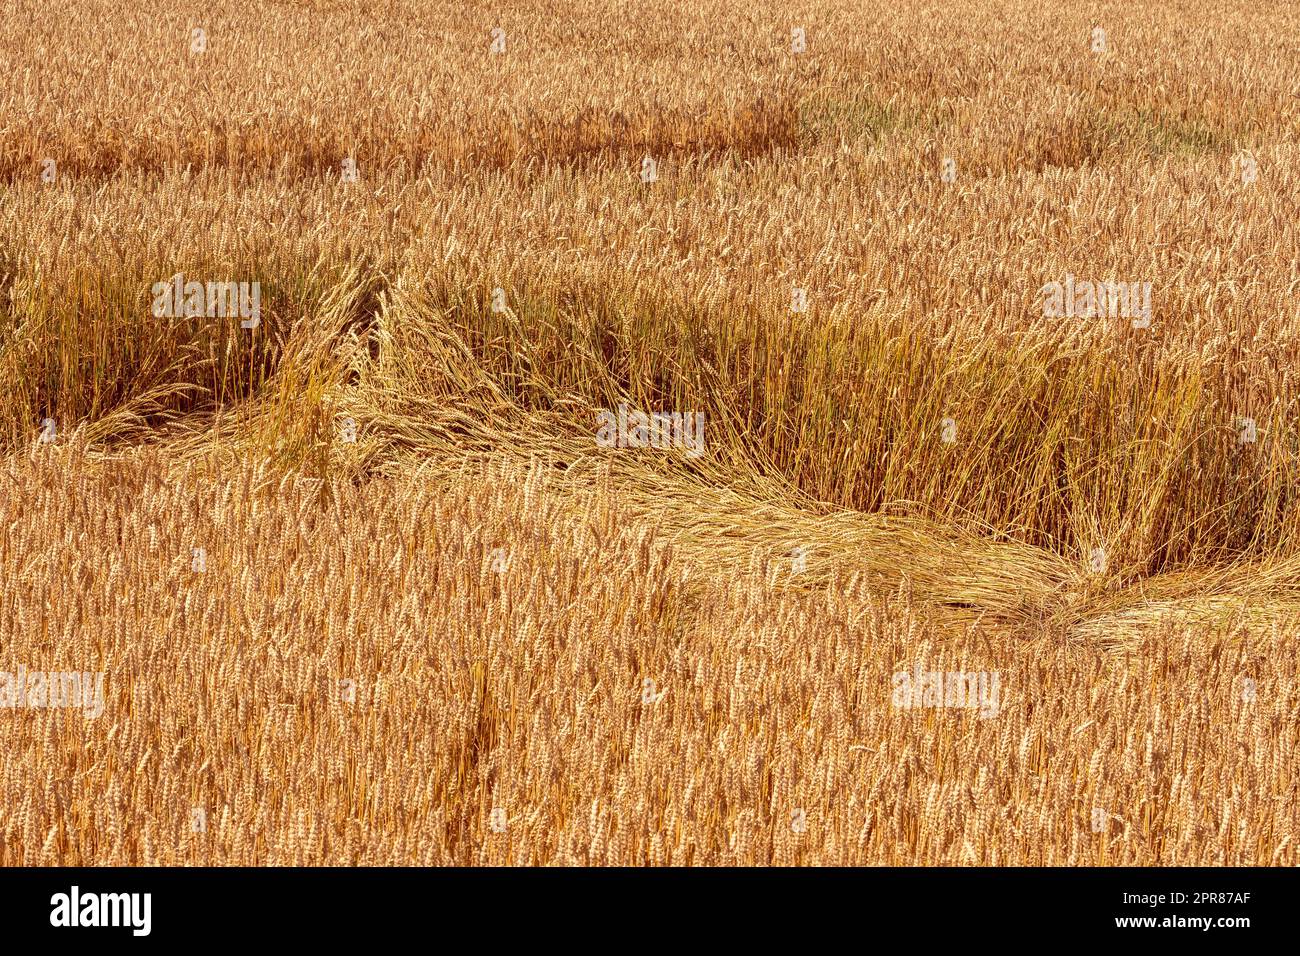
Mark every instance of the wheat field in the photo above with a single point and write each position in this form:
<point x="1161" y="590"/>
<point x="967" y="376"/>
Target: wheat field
<point x="357" y="576"/>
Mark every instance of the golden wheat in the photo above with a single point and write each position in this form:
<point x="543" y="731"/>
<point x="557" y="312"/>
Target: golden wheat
<point x="472" y="636"/>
